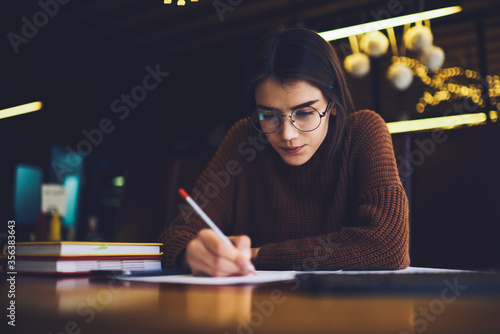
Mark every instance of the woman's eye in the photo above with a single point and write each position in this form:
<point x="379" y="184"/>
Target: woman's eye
<point x="303" y="113"/>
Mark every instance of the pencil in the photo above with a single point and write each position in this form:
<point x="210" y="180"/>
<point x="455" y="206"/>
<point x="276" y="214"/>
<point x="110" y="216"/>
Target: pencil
<point x="209" y="222"/>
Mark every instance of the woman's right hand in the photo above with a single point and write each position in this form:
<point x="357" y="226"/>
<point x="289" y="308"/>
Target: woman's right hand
<point x="208" y="255"/>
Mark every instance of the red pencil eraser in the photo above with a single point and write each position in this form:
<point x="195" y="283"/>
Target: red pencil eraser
<point x="183" y="193"/>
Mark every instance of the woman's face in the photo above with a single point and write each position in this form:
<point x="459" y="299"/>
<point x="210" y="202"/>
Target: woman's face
<point x="294" y="146"/>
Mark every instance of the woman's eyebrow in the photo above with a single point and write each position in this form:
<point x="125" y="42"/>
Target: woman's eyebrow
<point x="305" y="104"/>
<point x="302" y="105"/>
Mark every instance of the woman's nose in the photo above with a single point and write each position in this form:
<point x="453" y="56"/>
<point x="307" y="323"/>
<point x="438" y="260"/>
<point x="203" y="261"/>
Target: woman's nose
<point x="288" y="131"/>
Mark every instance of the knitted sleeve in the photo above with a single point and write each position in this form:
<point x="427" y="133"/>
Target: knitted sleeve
<point x="376" y="233"/>
<point x="214" y="193"/>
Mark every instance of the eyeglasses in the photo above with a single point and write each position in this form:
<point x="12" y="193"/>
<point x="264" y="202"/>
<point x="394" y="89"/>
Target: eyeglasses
<point x="304" y="119"/>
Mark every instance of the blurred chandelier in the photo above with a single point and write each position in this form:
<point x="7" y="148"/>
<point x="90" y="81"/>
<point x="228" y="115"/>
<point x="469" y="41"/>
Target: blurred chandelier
<point x="367" y="40"/>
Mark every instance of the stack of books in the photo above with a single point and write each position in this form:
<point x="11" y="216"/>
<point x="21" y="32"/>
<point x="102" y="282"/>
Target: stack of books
<point x="83" y="257"/>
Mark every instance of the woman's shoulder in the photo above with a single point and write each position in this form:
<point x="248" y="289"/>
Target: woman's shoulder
<point x="367" y="129"/>
<point x="366" y="122"/>
<point x="365" y="117"/>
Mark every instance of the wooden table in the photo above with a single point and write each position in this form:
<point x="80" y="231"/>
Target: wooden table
<point x="102" y="305"/>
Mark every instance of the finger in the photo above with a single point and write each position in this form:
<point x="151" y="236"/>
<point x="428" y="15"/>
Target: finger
<point x="244" y="261"/>
<point x="202" y="261"/>
<point x="217" y="267"/>
<point x="220" y="269"/>
<point x="239" y="255"/>
<point x="255" y="252"/>
<point x="198" y="257"/>
<point x="216" y="246"/>
<point x="243" y="244"/>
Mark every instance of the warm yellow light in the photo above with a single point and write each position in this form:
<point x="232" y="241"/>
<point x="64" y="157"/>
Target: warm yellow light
<point x="22" y="109"/>
<point x="420" y="107"/>
<point x="388" y="23"/>
<point x="179" y="2"/>
<point x="494" y="115"/>
<point x="436" y="123"/>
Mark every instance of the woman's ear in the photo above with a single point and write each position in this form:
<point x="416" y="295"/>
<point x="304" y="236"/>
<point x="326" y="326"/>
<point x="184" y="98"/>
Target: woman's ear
<point x="333" y="109"/>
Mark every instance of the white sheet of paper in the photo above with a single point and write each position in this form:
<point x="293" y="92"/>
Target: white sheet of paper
<point x="409" y="270"/>
<point x="261" y="277"/>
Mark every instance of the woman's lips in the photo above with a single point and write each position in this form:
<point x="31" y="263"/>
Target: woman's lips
<point x="292" y="149"/>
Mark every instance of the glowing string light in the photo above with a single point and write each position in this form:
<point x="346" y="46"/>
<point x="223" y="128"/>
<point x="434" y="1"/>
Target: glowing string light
<point x="179" y="2"/>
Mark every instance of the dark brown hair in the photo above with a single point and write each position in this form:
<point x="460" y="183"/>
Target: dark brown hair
<point x="298" y="54"/>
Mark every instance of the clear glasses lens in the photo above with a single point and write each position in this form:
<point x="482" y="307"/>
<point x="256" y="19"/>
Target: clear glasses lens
<point x="306" y="119"/>
<point x="269" y="121"/>
<point x="266" y="121"/>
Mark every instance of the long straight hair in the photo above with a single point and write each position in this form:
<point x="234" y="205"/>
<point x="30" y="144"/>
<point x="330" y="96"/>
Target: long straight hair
<point x="298" y="54"/>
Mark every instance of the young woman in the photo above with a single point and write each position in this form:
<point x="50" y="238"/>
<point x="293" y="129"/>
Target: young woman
<point x="302" y="183"/>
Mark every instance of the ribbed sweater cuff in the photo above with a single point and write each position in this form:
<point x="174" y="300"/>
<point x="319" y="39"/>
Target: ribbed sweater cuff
<point x="174" y="250"/>
<point x="267" y="257"/>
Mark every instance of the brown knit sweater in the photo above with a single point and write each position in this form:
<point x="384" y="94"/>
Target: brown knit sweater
<point x="354" y="217"/>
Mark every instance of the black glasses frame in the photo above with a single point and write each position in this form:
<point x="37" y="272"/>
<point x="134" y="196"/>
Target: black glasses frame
<point x="280" y="117"/>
